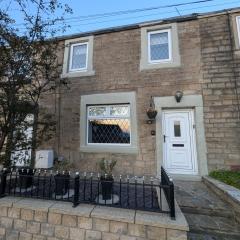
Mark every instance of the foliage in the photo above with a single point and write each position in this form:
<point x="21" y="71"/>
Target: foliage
<point x="107" y="166"/>
<point x="229" y="177"/>
<point x="29" y="69"/>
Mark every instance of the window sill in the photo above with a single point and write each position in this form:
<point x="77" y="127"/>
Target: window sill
<point x="159" y="65"/>
<point x="78" y="74"/>
<point x="110" y="149"/>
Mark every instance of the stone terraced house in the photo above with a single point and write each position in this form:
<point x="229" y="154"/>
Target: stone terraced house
<point x="113" y="76"/>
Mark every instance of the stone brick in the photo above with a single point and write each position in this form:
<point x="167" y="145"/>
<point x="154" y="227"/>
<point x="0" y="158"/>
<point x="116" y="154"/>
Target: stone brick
<point x="84" y="222"/>
<point x="3" y="211"/>
<point x="14" y="212"/>
<point x="110" y="236"/>
<point x="101" y="225"/>
<point x="2" y="231"/>
<point x="124" y="237"/>
<point x="118" y="227"/>
<point x="136" y="230"/>
<point x="25" y="236"/>
<point x="70" y="221"/>
<point x="93" y="235"/>
<point x="176" y="235"/>
<point x="61" y="232"/>
<point x="27" y="214"/>
<point x="33" y="227"/>
<point x="38" y="237"/>
<point x="54" y="218"/>
<point x="77" y="234"/>
<point x="156" y="233"/>
<point x="12" y="235"/>
<point x="6" y="222"/>
<point x="40" y="216"/>
<point x="47" y="229"/>
<point x="20" y="225"/>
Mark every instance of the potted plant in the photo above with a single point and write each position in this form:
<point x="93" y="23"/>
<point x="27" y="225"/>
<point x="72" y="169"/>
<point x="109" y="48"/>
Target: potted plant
<point x="62" y="177"/>
<point x="25" y="177"/>
<point x="106" y="179"/>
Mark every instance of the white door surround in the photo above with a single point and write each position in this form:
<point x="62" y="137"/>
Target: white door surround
<point x="190" y="102"/>
<point x="179" y="145"/>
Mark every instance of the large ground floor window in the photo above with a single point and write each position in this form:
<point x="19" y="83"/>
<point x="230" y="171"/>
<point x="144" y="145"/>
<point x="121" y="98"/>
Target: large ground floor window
<point x="109" y="124"/>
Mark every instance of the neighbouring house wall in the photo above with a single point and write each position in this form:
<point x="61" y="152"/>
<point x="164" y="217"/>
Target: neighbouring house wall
<point x="30" y="219"/>
<point x="116" y="62"/>
<point x="220" y="67"/>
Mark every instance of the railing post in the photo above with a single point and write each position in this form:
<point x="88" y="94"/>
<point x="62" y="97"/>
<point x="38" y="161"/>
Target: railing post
<point x="3" y="177"/>
<point x="76" y="190"/>
<point x="172" y="202"/>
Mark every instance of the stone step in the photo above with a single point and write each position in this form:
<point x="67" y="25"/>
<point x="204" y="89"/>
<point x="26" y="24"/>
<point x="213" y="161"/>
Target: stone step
<point x="212" y="224"/>
<point x="208" y="211"/>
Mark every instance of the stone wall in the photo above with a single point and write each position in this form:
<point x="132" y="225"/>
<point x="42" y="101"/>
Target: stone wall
<point x="116" y="63"/>
<point x="220" y="68"/>
<point x="29" y="219"/>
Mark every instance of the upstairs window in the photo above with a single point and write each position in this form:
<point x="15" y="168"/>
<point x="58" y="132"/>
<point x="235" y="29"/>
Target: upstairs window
<point x="159" y="46"/>
<point x="238" y="28"/>
<point x="109" y="124"/>
<point x="78" y="57"/>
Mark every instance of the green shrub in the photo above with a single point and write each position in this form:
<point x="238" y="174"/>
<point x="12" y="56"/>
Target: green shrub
<point x="229" y="177"/>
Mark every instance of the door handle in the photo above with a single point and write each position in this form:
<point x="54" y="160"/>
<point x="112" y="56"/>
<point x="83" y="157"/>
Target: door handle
<point x="164" y="138"/>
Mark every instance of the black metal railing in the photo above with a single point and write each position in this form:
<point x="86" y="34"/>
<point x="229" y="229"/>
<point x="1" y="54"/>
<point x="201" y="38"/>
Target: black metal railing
<point x="139" y="193"/>
<point x="169" y="192"/>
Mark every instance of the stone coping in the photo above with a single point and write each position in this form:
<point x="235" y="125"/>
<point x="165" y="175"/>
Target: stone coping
<point x="101" y="212"/>
<point x="232" y="192"/>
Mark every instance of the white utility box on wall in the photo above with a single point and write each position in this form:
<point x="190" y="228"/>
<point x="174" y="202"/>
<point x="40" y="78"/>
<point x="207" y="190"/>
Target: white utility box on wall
<point x="44" y="159"/>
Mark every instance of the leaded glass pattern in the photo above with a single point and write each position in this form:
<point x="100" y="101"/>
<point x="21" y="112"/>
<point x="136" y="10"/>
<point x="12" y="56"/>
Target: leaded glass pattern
<point x="109" y="124"/>
<point x="159" y="46"/>
<point x="79" y="56"/>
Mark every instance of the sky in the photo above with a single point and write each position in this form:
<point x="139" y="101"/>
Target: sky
<point x="82" y="20"/>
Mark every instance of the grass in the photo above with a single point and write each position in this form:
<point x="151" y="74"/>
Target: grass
<point x="229" y="177"/>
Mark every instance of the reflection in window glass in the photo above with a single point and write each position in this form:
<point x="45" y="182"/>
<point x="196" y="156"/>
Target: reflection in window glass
<point x="109" y="124"/>
<point x="177" y="129"/>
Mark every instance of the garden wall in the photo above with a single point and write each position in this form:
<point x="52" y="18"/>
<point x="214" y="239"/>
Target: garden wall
<point x="49" y="220"/>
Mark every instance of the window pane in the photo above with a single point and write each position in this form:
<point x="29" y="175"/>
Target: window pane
<point x="159" y="46"/>
<point x="97" y="111"/>
<point x="177" y="129"/>
<point x="119" y="110"/>
<point x="79" y="56"/>
<point x="109" y="131"/>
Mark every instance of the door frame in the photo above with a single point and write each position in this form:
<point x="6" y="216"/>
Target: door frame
<point x="192" y="145"/>
<point x="194" y="102"/>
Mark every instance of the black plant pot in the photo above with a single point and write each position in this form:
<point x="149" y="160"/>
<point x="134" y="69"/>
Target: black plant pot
<point x="62" y="182"/>
<point x="151" y="113"/>
<point x="107" y="187"/>
<point x="25" y="178"/>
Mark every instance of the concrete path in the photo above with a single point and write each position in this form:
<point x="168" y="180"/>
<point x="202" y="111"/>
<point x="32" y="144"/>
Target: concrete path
<point x="209" y="217"/>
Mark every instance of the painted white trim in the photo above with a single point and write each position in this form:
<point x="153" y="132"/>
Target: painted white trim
<point x="238" y="28"/>
<point x="169" y="46"/>
<point x="188" y="101"/>
<point x="71" y="58"/>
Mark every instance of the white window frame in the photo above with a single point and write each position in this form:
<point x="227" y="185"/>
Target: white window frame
<point x="238" y="28"/>
<point x="108" y="116"/>
<point x="169" y="46"/>
<point x="71" y="58"/>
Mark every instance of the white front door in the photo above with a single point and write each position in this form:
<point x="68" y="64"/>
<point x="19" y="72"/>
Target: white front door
<point x="179" y="144"/>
